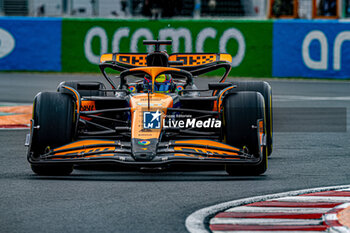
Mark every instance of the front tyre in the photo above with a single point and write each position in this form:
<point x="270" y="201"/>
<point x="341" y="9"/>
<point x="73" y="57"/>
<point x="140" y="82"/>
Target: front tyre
<point x="265" y="90"/>
<point x="53" y="117"/>
<point x="241" y="113"/>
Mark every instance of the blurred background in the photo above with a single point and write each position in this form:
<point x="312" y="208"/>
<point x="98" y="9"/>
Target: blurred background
<point x="267" y="38"/>
<point x="178" y="8"/>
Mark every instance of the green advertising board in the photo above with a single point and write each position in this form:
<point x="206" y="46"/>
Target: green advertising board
<point x="249" y="42"/>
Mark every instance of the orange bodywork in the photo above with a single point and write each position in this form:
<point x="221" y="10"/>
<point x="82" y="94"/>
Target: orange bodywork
<point x="76" y="97"/>
<point x="157" y="101"/>
<point x="194" y="59"/>
<point x="261" y="134"/>
<point x="106" y="57"/>
<point x="199" y="58"/>
<point x="206" y="142"/>
<point x="95" y="149"/>
<point x="211" y="152"/>
<point x="87" y="105"/>
<point x="225" y="57"/>
<point x="139" y="104"/>
<point x="85" y="143"/>
<point x="218" y="108"/>
<point x="203" y="150"/>
<point x="154" y="71"/>
<point x="128" y="59"/>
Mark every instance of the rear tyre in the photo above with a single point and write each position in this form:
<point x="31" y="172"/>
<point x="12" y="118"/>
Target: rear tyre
<point x="85" y="88"/>
<point x="263" y="88"/>
<point x="53" y="116"/>
<point x="241" y="112"/>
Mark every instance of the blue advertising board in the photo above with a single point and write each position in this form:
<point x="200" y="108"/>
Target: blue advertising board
<point x="317" y="48"/>
<point x="30" y="43"/>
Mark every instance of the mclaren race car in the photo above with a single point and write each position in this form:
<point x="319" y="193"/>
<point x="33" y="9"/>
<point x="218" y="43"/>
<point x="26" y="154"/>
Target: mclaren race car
<point x="153" y="115"/>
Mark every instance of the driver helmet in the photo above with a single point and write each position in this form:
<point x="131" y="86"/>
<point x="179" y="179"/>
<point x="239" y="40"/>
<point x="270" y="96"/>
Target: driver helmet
<point x="162" y="83"/>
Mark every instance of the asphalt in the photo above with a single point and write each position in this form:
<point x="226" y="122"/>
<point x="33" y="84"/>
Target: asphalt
<point x="114" y="200"/>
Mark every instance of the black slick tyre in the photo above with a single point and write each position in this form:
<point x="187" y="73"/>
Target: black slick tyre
<point x="263" y="88"/>
<point x="53" y="116"/>
<point x="241" y="113"/>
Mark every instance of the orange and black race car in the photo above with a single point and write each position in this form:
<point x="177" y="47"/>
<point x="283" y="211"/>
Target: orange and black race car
<point x="152" y="116"/>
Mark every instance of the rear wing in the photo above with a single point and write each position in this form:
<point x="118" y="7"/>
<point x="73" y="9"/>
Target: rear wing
<point x="129" y="60"/>
<point x="199" y="59"/>
<point x="201" y="63"/>
<point x="191" y="61"/>
<point x="195" y="63"/>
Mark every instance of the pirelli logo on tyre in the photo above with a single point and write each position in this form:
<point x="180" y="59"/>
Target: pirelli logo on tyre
<point x="194" y="59"/>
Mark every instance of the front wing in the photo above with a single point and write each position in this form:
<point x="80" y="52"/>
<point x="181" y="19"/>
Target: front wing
<point x="109" y="151"/>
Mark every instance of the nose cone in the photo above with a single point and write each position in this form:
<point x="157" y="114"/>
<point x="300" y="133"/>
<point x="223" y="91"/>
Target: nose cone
<point x="144" y="156"/>
<point x="144" y="150"/>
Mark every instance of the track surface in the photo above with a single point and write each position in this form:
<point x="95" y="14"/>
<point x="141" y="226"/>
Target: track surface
<point x="130" y="201"/>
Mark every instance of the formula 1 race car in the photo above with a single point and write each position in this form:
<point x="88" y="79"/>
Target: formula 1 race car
<point x="153" y="116"/>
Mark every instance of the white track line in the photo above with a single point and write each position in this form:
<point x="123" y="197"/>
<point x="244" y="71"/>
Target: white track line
<point x="313" y="199"/>
<point x="195" y="221"/>
<point x="255" y="209"/>
<point x="267" y="221"/>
